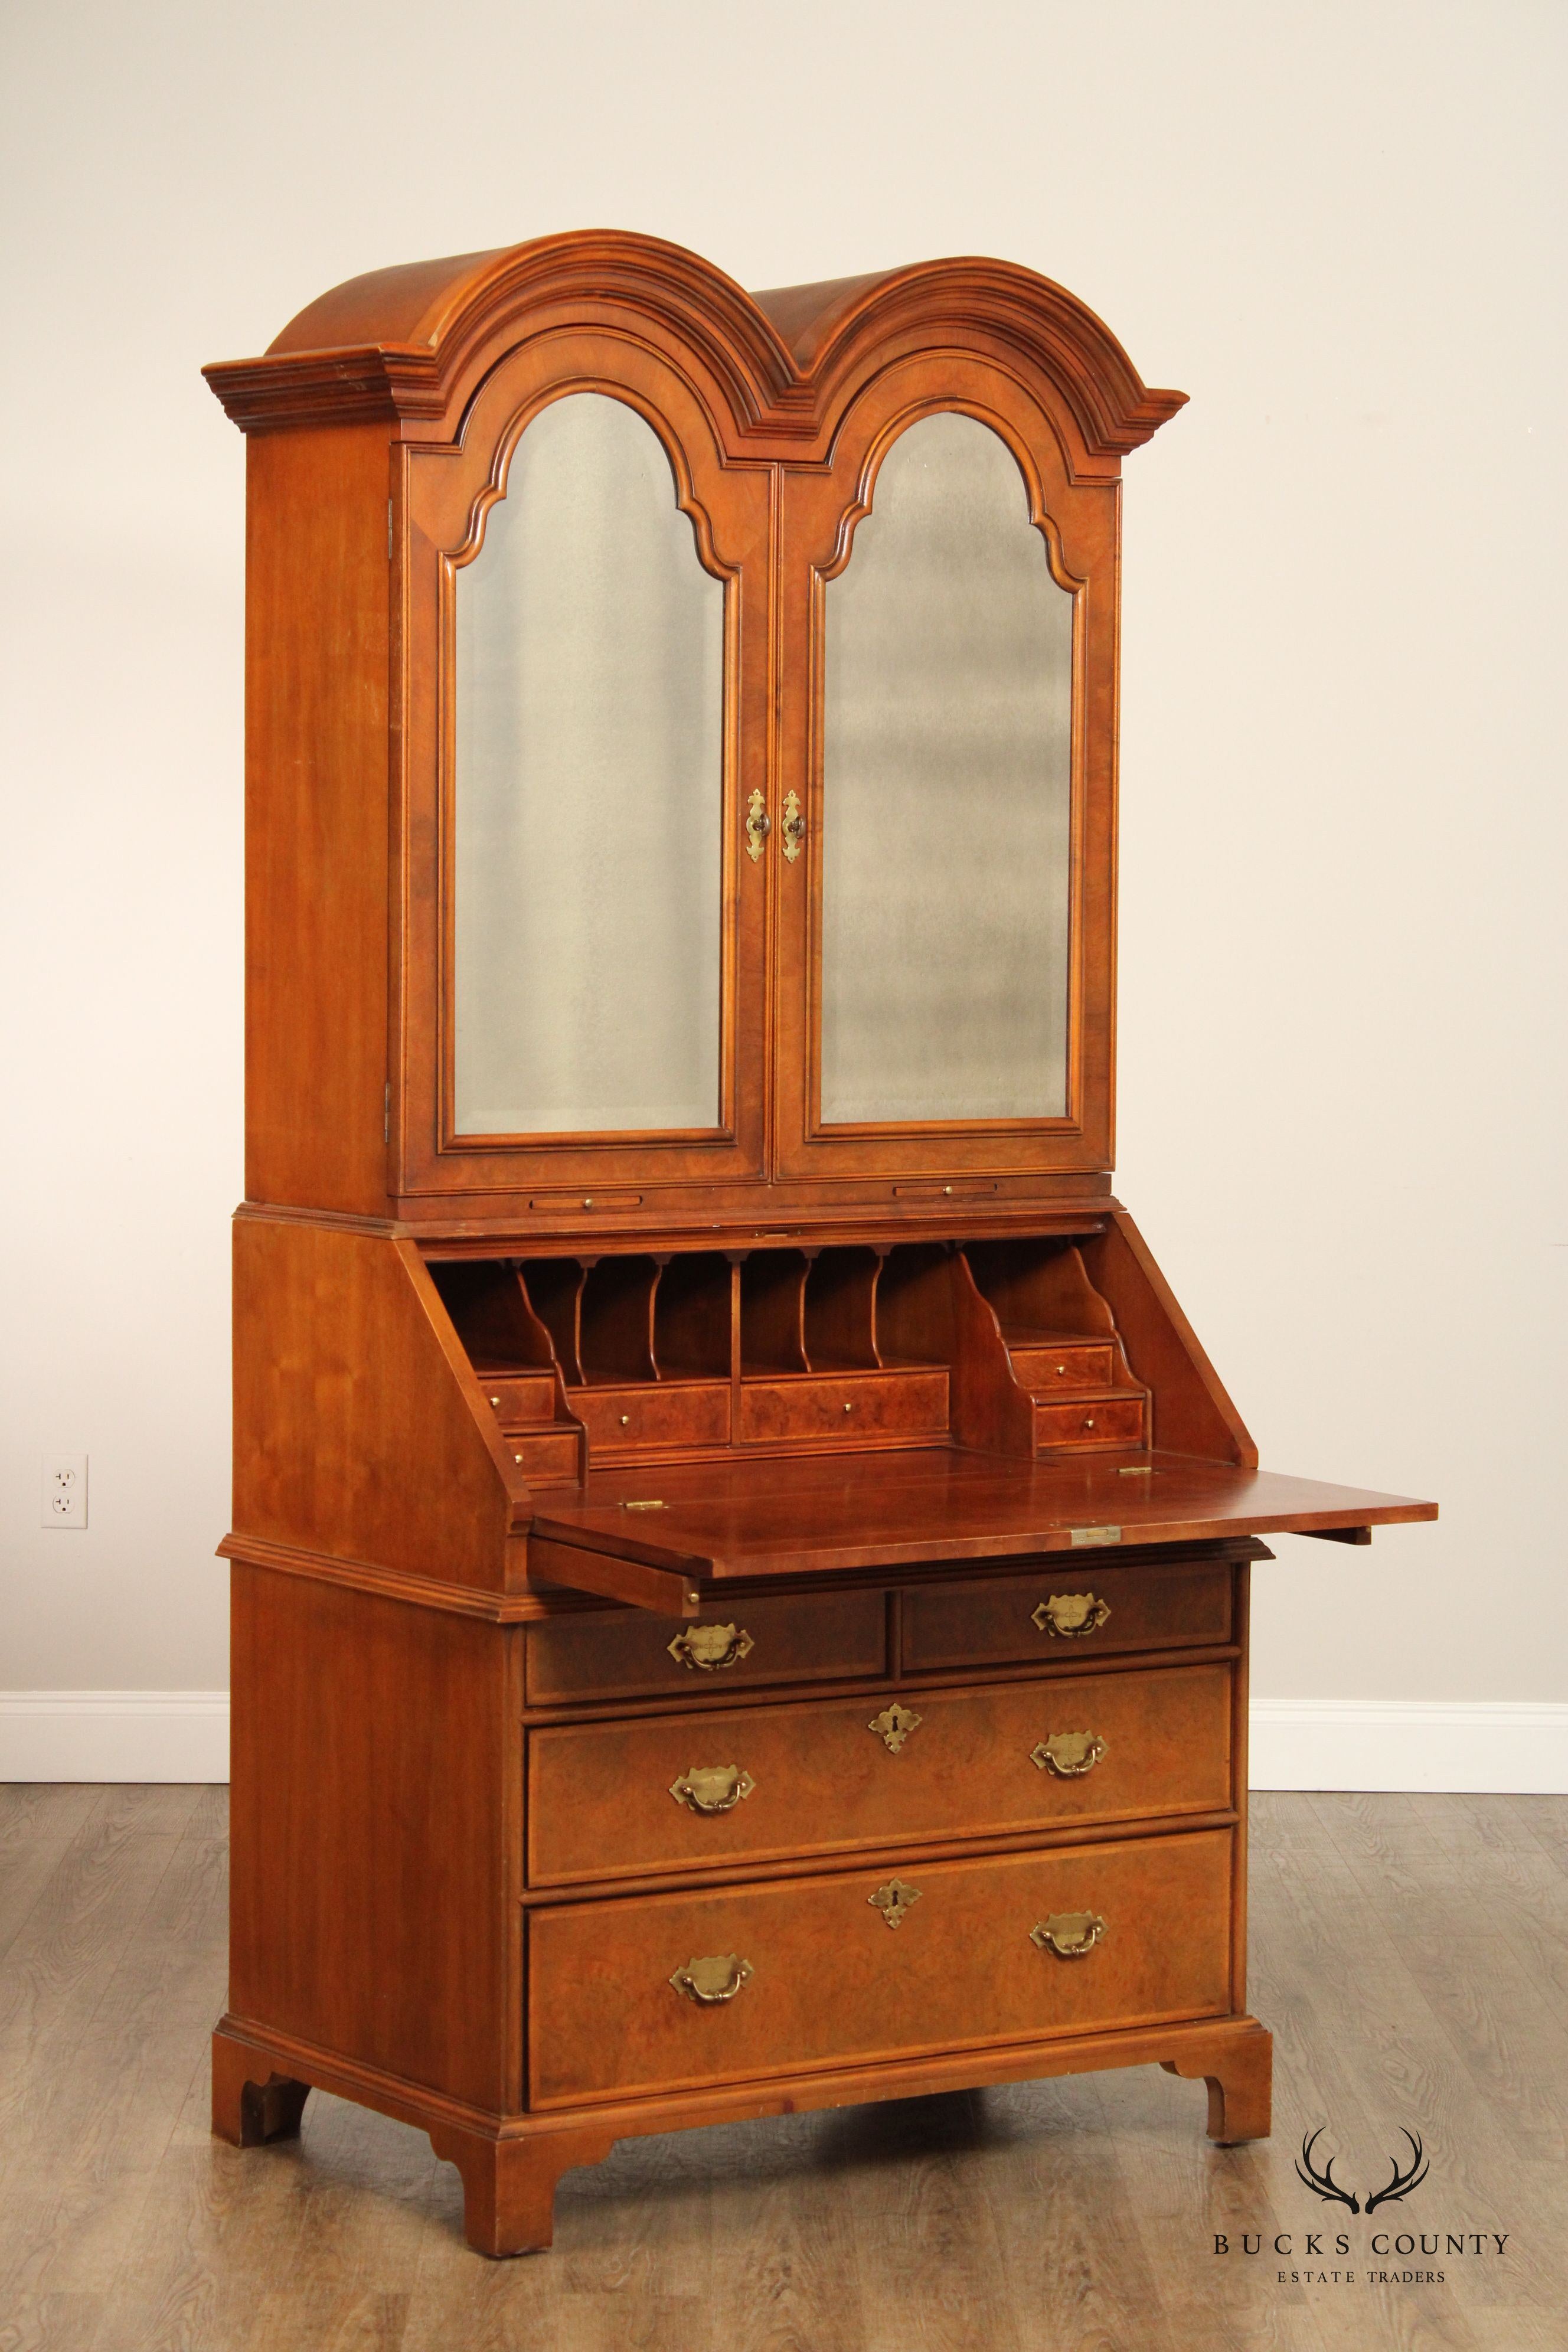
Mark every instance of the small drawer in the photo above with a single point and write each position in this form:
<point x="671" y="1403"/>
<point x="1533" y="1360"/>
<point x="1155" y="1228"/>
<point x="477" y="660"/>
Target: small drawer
<point x="1069" y="1611"/>
<point x="650" y="1412"/>
<point x="1043" y="1365"/>
<point x="519" y="1397"/>
<point x="665" y="1992"/>
<point x="851" y="1405"/>
<point x="630" y="1654"/>
<point x="1091" y="1421"/>
<point x="544" y="1454"/>
<point x="743" y="1785"/>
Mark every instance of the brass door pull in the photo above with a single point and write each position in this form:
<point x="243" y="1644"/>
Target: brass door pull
<point x="1072" y="1614"/>
<point x="1068" y="1754"/>
<point x="893" y="1725"/>
<point x="711" y="1648"/>
<point x="793" y="828"/>
<point x="712" y="1788"/>
<point x="710" y="1982"/>
<point x="1069" y="1934"/>
<point x="759" y="824"/>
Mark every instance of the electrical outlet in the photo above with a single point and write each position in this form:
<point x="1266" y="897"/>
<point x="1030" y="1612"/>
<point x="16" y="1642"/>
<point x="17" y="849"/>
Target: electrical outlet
<point x="64" y="1490"/>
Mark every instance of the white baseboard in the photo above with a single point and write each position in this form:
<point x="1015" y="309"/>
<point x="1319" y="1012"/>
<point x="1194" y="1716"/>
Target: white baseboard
<point x="1491" y="1747"/>
<point x="1485" y="1746"/>
<point x="113" y="1735"/>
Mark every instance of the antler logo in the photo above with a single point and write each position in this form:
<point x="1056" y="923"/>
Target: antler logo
<point x="1324" y="2184"/>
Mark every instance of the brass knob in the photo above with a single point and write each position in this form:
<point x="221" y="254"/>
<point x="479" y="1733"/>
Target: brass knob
<point x="1061" y="1371"/>
<point x="1069" y="1934"/>
<point x="712" y="1788"/>
<point x="848" y="1408"/>
<point x="1072" y="1614"/>
<point x="711" y="1648"/>
<point x="712" y="1981"/>
<point x="793" y="828"/>
<point x="1068" y="1754"/>
<point x="517" y="1457"/>
<point x="495" y="1400"/>
<point x="588" y="1204"/>
<point x="758" y="826"/>
<point x="1089" y="1423"/>
<point x="626" y="1420"/>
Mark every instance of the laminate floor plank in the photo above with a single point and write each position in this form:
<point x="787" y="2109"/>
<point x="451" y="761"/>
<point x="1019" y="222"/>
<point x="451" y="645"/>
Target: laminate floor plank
<point x="1411" y="1955"/>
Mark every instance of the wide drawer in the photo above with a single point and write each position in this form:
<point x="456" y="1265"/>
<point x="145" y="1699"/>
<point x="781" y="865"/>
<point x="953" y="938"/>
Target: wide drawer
<point x="651" y="1412"/>
<point x="743" y="1785"/>
<point x="815" y="1971"/>
<point x="828" y="1637"/>
<point x="1071" y="1609"/>
<point x="1089" y="1421"/>
<point x="851" y="1406"/>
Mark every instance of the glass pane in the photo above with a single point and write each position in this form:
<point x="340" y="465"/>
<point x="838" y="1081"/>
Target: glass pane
<point x="589" y="758"/>
<point x="947" y="796"/>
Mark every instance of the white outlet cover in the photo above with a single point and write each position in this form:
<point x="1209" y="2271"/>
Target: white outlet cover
<point x="64" y="1490"/>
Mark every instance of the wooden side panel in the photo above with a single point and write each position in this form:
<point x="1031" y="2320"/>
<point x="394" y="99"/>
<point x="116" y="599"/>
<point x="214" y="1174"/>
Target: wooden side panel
<point x="1191" y="1411"/>
<point x="317" y="819"/>
<point x="377" y="1808"/>
<point x="359" y="1428"/>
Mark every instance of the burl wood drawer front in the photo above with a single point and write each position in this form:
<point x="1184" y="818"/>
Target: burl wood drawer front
<point x="519" y="1397"/>
<point x="654" y="1412"/>
<point x="748" y="1784"/>
<point x="1072" y="1610"/>
<point x="825" y="1638"/>
<point x="812" y="1972"/>
<point x="1045" y="1364"/>
<point x="544" y="1454"/>
<point x="852" y="1406"/>
<point x="1094" y="1421"/>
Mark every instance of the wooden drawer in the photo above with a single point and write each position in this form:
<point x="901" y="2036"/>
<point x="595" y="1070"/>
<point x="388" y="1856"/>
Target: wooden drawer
<point x="654" y="1413"/>
<point x="850" y="1405"/>
<point x="819" y="1777"/>
<point x="995" y="1621"/>
<point x="1045" y="1364"/>
<point x="824" y="1638"/>
<point x="544" y="1454"/>
<point x="1090" y="1421"/>
<point x="519" y="1397"/>
<point x="828" y="1980"/>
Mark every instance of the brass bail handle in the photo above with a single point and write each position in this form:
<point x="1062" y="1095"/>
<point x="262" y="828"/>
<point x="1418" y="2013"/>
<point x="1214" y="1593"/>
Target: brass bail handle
<point x="1069" y="1934"/>
<point x="1072" y="1614"/>
<point x="712" y="1788"/>
<point x="1068" y="1754"/>
<point x="710" y="1982"/>
<point x="709" y="1648"/>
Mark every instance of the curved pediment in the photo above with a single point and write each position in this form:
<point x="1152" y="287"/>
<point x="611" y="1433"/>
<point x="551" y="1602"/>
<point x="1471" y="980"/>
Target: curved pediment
<point x="411" y="344"/>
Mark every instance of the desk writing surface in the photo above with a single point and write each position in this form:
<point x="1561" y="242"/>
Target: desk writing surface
<point x="810" y="1513"/>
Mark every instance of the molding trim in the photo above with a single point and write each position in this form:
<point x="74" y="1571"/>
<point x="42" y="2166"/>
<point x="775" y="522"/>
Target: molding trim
<point x="1480" y="1747"/>
<point x="106" y="1735"/>
<point x="1484" y="1747"/>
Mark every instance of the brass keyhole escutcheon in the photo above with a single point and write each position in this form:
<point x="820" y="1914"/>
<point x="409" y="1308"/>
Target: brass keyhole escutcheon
<point x="712" y="1788"/>
<point x="894" y="1901"/>
<point x="1072" y="1614"/>
<point x="711" y="1648"/>
<point x="793" y="828"/>
<point x="893" y="1725"/>
<point x="710" y="1982"/>
<point x="1069" y="1934"/>
<point x="1068" y="1754"/>
<point x="758" y="826"/>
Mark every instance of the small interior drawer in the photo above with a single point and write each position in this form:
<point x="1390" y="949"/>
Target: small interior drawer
<point x="1090" y="1421"/>
<point x="544" y="1454"/>
<point x="852" y="1406"/>
<point x="630" y="1652"/>
<point x="827" y="1970"/>
<point x="743" y="1785"/>
<point x="519" y="1397"/>
<point x="654" y="1413"/>
<point x="1069" y="1611"/>
<point x="1046" y="1364"/>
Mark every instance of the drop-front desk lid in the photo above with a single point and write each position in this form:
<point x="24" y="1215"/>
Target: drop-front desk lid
<point x="652" y="1536"/>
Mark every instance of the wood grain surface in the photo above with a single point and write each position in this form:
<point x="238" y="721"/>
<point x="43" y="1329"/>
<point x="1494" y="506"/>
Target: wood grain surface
<point x="1407" y="1951"/>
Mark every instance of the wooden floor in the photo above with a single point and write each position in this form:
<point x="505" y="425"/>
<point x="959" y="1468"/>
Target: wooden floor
<point x="1410" y="1953"/>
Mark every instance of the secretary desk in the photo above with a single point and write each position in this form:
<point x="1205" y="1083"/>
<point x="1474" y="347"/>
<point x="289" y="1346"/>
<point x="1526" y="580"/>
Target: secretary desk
<point x="740" y="1562"/>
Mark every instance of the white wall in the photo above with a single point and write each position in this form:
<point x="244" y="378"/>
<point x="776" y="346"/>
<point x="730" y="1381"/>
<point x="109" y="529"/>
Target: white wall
<point x="1342" y="911"/>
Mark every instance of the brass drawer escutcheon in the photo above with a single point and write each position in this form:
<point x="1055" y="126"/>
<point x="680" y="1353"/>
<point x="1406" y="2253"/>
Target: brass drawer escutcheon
<point x="1069" y="1934"/>
<point x="893" y="1725"/>
<point x="1072" y="1614"/>
<point x="1068" y="1754"/>
<point x="793" y="828"/>
<point x="707" y="1982"/>
<point x="712" y="1788"/>
<point x="894" y="1900"/>
<point x="758" y="826"/>
<point x="711" y="1648"/>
